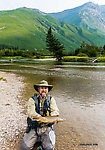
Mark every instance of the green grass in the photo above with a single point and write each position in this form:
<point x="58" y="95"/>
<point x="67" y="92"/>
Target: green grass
<point x="12" y="57"/>
<point x="75" y="59"/>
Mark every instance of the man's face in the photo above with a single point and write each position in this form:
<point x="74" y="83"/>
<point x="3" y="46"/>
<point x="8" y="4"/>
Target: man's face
<point x="43" y="91"/>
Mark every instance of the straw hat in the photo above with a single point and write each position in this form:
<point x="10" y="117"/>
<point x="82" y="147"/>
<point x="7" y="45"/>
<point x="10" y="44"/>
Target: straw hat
<point x="43" y="83"/>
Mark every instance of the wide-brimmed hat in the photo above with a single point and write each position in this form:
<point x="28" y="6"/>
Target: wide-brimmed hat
<point x="43" y="83"/>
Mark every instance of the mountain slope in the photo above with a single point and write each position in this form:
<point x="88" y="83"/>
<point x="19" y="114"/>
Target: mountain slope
<point x="25" y="28"/>
<point x="87" y="16"/>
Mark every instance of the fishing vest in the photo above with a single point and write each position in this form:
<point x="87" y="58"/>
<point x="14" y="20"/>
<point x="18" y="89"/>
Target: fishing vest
<point x="46" y="110"/>
<point x="46" y="107"/>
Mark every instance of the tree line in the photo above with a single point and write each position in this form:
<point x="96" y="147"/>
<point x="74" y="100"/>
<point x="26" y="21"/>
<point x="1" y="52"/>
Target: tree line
<point x="54" y="47"/>
<point x="90" y="50"/>
<point x="23" y="53"/>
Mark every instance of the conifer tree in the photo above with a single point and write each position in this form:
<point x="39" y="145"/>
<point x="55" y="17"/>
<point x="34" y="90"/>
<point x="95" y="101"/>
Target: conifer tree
<point x="54" y="45"/>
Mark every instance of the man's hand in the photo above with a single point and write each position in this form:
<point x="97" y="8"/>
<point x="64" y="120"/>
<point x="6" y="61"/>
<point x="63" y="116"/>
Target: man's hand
<point x="38" y="117"/>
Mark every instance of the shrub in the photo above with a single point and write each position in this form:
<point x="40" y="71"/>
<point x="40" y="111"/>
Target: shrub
<point x="82" y="55"/>
<point x="4" y="79"/>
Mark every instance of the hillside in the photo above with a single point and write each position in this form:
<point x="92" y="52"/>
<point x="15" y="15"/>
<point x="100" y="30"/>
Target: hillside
<point x="25" y="28"/>
<point x="88" y="16"/>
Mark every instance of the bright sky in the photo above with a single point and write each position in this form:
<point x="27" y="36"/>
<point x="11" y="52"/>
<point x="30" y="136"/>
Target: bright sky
<point x="47" y="6"/>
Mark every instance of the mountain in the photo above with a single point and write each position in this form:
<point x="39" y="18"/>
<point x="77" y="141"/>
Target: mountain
<point x="27" y="28"/>
<point x="88" y="16"/>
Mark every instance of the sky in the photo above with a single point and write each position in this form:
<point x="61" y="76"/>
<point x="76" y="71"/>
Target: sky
<point x="47" y="6"/>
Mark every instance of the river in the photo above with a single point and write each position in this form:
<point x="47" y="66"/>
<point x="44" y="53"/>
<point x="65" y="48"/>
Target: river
<point x="79" y="90"/>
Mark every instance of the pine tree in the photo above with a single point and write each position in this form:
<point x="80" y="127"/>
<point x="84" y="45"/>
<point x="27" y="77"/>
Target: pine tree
<point x="54" y="45"/>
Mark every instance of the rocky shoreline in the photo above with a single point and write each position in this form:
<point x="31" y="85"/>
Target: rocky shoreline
<point x="12" y="120"/>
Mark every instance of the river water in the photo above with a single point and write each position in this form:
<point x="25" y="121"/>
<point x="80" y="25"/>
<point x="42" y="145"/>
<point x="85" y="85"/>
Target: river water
<point x="79" y="90"/>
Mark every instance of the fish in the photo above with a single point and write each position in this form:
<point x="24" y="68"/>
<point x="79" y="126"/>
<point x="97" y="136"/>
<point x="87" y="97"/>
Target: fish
<point x="50" y="119"/>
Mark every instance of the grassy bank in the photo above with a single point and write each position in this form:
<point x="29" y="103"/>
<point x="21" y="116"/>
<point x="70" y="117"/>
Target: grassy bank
<point x="101" y="59"/>
<point x="75" y="59"/>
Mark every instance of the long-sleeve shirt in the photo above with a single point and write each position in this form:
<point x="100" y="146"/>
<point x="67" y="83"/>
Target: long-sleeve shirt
<point x="31" y="111"/>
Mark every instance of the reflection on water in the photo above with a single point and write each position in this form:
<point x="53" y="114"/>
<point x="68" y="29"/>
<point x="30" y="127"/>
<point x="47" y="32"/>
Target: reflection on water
<point x="78" y="89"/>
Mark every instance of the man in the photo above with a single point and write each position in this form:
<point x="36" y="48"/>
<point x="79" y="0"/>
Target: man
<point x="40" y="105"/>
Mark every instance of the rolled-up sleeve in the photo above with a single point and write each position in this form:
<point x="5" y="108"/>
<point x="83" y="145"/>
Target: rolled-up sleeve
<point x="31" y="112"/>
<point x="54" y="108"/>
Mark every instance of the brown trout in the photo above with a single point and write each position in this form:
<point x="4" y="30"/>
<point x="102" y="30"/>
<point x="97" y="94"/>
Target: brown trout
<point x="50" y="119"/>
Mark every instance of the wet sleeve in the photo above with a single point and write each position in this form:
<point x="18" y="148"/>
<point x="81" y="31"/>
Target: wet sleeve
<point x="31" y="112"/>
<point x="54" y="108"/>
